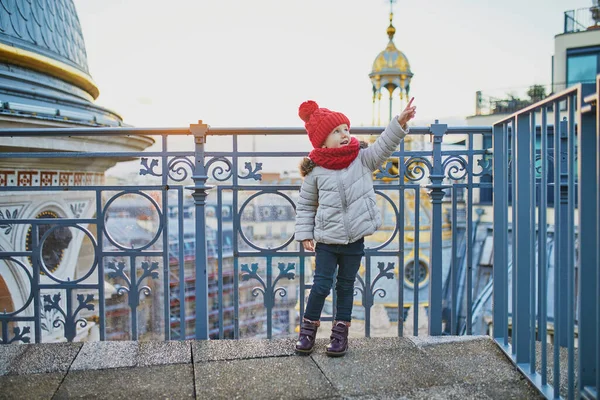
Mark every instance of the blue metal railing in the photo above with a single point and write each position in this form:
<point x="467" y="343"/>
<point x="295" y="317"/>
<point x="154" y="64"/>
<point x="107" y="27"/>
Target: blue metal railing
<point x="525" y="167"/>
<point x="580" y="19"/>
<point x="220" y="263"/>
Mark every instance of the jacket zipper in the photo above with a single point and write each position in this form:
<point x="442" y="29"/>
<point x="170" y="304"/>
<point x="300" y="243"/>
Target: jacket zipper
<point x="344" y="206"/>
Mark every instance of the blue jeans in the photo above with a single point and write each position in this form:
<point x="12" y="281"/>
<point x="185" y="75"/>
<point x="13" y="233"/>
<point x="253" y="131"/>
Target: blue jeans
<point x="327" y="259"/>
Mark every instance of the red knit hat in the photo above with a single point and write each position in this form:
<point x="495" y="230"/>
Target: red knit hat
<point x="319" y="122"/>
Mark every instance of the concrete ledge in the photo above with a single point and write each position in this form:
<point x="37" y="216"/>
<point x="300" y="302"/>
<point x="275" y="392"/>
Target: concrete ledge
<point x="33" y="386"/>
<point x="105" y="355"/>
<point x="164" y="353"/>
<point x="156" y="382"/>
<point x="479" y="360"/>
<point x="424" y="341"/>
<point x="373" y="368"/>
<point x="264" y="378"/>
<point x="220" y="350"/>
<point x="22" y="359"/>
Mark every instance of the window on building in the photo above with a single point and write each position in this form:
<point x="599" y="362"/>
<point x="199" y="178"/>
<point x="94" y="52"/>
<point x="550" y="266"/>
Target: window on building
<point x="583" y="65"/>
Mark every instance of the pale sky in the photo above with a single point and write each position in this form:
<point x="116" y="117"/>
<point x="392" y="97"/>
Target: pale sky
<point x="251" y="63"/>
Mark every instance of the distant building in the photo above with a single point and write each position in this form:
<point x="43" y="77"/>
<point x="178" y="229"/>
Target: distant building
<point x="576" y="59"/>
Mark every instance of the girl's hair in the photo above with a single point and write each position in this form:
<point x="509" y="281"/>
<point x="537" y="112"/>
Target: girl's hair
<point x="307" y="165"/>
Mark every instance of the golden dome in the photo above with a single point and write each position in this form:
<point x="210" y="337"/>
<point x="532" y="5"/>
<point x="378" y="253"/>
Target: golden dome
<point x="391" y="60"/>
<point x="391" y="71"/>
<point x="391" y="68"/>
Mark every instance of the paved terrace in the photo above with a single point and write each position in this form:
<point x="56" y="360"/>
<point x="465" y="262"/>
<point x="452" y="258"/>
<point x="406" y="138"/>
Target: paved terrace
<point x="375" y="368"/>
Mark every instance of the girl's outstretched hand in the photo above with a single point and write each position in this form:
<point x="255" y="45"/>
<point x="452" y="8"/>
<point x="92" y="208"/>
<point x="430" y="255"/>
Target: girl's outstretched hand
<point x="407" y="114"/>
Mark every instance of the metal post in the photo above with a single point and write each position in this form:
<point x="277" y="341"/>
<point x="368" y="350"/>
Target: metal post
<point x="522" y="225"/>
<point x="500" y="185"/>
<point x="597" y="133"/>
<point x="199" y="194"/>
<point x="587" y="261"/>
<point x="563" y="242"/>
<point x="437" y="194"/>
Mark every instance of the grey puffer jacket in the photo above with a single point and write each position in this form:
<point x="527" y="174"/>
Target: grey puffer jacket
<point x="338" y="206"/>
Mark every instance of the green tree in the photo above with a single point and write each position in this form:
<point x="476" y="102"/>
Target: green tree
<point x="536" y="93"/>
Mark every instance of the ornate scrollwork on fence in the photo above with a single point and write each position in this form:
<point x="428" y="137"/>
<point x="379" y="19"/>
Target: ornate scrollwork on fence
<point x="223" y="173"/>
<point x="149" y="169"/>
<point x="369" y="295"/>
<point x="180" y="168"/>
<point x="133" y="288"/>
<point x="485" y="163"/>
<point x="285" y="271"/>
<point x="252" y="173"/>
<point x="220" y="173"/>
<point x="7" y="227"/>
<point x="416" y="168"/>
<point x="455" y="167"/>
<point x="385" y="172"/>
<point x="19" y="335"/>
<point x="69" y="322"/>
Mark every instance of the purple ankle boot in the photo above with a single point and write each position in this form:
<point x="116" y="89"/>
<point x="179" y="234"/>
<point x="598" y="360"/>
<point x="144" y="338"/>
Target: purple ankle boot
<point x="339" y="339"/>
<point x="306" y="339"/>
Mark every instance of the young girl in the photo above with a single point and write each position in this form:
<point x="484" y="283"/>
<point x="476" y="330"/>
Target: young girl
<point x="337" y="210"/>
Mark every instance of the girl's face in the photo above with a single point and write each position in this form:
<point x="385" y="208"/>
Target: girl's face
<point x="338" y="137"/>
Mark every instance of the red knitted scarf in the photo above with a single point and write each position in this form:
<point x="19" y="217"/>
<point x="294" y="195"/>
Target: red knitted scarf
<point x="338" y="158"/>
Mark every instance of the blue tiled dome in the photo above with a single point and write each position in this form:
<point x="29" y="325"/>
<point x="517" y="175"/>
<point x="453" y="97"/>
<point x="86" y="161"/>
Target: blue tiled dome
<point x="43" y="65"/>
<point x="47" y="27"/>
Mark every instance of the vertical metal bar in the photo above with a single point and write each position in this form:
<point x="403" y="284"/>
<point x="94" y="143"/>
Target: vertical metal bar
<point x="564" y="263"/>
<point x="4" y="324"/>
<point x="368" y="295"/>
<point x="35" y="283"/>
<point x="557" y="249"/>
<point x="571" y="246"/>
<point x="201" y="263"/>
<point x="401" y="247"/>
<point x="99" y="254"/>
<point x="522" y="224"/>
<point x="513" y="137"/>
<point x="166" y="265"/>
<point x="70" y="330"/>
<point x="588" y="241"/>
<point x="504" y="185"/>
<point x="454" y="266"/>
<point x="417" y="264"/>
<point x="268" y="297"/>
<point x="470" y="235"/>
<point x="302" y="293"/>
<point x="532" y="275"/>
<point x="132" y="298"/>
<point x="597" y="183"/>
<point x="181" y="271"/>
<point x="220" y="258"/>
<point x="236" y="227"/>
<point x="542" y="255"/>
<point x="500" y="271"/>
<point x="236" y="295"/>
<point x="436" y="193"/>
